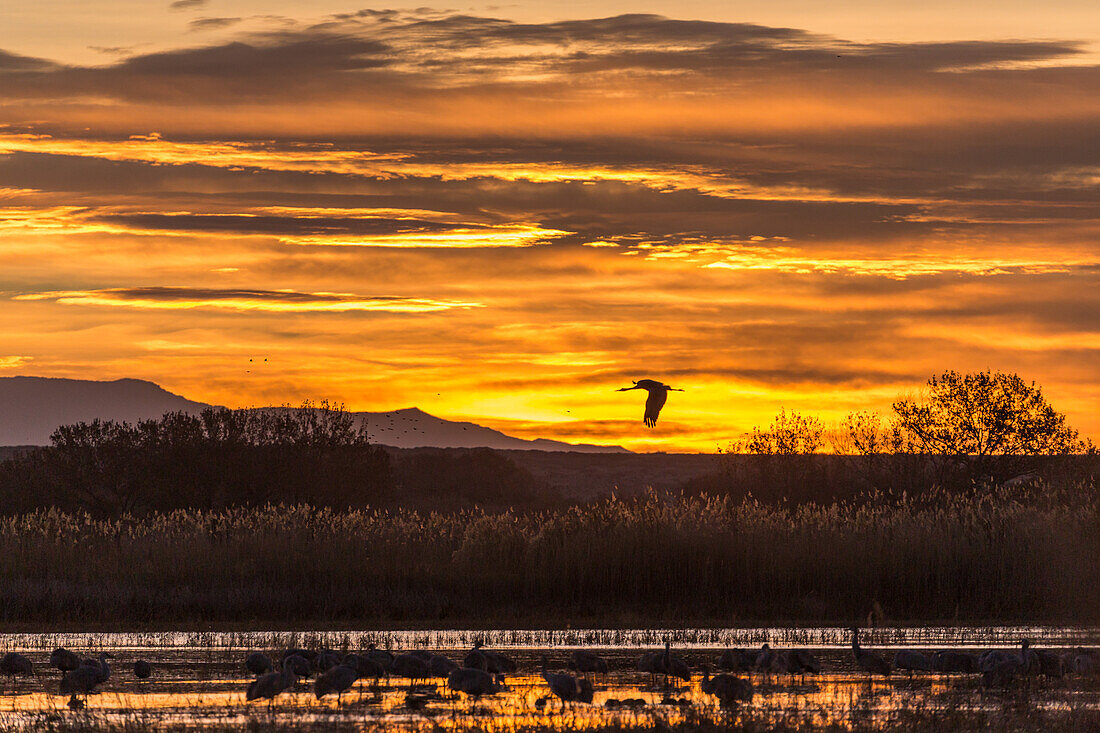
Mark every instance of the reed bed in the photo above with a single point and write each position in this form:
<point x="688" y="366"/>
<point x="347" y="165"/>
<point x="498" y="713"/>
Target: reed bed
<point x="657" y="560"/>
<point x="820" y="637"/>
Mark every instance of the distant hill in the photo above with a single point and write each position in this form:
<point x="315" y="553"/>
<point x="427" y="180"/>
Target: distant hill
<point x="414" y="428"/>
<point x="32" y="407"/>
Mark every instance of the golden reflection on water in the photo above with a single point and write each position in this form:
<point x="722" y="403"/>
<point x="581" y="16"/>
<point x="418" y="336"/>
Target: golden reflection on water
<point x="207" y="690"/>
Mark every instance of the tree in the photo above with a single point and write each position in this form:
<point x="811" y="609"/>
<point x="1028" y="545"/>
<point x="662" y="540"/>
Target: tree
<point x="790" y="434"/>
<point x="993" y="424"/>
<point x="780" y="463"/>
<point x="879" y="455"/>
<point x="317" y="453"/>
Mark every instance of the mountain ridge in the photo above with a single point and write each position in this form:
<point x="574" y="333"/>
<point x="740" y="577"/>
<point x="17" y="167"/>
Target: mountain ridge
<point x="33" y="407"/>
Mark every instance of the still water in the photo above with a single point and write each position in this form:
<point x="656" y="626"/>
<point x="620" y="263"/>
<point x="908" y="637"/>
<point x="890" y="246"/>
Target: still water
<point x="199" y="681"/>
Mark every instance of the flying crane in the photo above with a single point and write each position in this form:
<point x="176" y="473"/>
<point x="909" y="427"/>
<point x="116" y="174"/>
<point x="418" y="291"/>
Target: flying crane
<point x="658" y="393"/>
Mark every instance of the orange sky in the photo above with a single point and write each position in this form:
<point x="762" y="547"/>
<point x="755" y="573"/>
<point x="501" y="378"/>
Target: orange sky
<point x="503" y="219"/>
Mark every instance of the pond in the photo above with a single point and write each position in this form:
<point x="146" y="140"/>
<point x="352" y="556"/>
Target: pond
<point x="199" y="683"/>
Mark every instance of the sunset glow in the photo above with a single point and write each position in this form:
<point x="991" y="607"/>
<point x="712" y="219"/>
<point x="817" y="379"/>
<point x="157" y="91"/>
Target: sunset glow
<point x="502" y="217"/>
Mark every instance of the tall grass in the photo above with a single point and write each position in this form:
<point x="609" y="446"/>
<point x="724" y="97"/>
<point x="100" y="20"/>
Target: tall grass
<point x="655" y="560"/>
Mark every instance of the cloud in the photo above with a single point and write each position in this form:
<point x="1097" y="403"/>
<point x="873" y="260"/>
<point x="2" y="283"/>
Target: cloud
<point x="751" y="258"/>
<point x="802" y="375"/>
<point x="320" y="227"/>
<point x="327" y="228"/>
<point x="301" y="223"/>
<point x="117" y="50"/>
<point x="271" y="301"/>
<point x="419" y="63"/>
<point x="11" y="362"/>
<point x="233" y="154"/>
<point x="187" y="4"/>
<point x="296" y="55"/>
<point x="211" y="24"/>
<point x="13" y="62"/>
<point x="786" y="218"/>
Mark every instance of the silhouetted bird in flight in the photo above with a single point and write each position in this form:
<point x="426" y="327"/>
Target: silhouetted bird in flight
<point x="658" y="393"/>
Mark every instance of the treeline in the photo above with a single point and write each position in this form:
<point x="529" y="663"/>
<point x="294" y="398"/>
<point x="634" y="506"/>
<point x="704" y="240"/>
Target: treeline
<point x="823" y="478"/>
<point x="963" y="430"/>
<point x="222" y="458"/>
<point x="983" y="556"/>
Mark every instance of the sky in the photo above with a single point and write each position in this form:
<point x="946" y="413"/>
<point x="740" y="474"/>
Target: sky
<point x="502" y="213"/>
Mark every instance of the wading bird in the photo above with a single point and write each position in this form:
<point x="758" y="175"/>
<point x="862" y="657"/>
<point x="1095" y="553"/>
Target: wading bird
<point x="258" y="663"/>
<point x="588" y="662"/>
<point x="441" y="666"/>
<point x="338" y="679"/>
<point x="674" y="666"/>
<point x="990" y="659"/>
<point x="365" y="667"/>
<point x="490" y="661"/>
<point x="474" y="682"/>
<point x="79" y="681"/>
<point x="912" y="661"/>
<point x="438" y="665"/>
<point x="15" y="664"/>
<point x="737" y="660"/>
<point x="411" y="666"/>
<point x="475" y="659"/>
<point x="64" y="660"/>
<point x="297" y="664"/>
<point x="99" y="666"/>
<point x="308" y="654"/>
<point x="499" y="663"/>
<point x="1041" y="661"/>
<point x="802" y="663"/>
<point x="1083" y="662"/>
<point x="869" y="662"/>
<point x="728" y="689"/>
<point x="566" y="687"/>
<point x="658" y="393"/>
<point x="1002" y="673"/>
<point x="664" y="663"/>
<point x="950" y="660"/>
<point x="268" y="686"/>
<point x="765" y="658"/>
<point x="325" y="660"/>
<point x="381" y="656"/>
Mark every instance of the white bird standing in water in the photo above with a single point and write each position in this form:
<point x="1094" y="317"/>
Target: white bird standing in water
<point x="658" y="393"/>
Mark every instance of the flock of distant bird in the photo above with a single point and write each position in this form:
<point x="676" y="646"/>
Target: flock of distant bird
<point x="483" y="671"/>
<point x="79" y="676"/>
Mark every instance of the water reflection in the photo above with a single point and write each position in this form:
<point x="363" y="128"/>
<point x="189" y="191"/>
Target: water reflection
<point x="205" y="687"/>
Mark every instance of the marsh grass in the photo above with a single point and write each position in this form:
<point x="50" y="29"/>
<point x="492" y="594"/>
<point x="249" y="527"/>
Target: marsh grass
<point x="657" y="560"/>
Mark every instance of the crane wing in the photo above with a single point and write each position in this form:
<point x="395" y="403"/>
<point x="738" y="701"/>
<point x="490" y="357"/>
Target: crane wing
<point x="648" y="384"/>
<point x="653" y="406"/>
